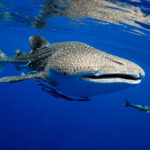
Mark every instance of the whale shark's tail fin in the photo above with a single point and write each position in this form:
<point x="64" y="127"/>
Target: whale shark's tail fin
<point x="3" y="58"/>
<point x="127" y="103"/>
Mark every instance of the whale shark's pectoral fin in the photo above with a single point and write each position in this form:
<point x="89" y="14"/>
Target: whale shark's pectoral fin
<point x="22" y="77"/>
<point x="53" y="92"/>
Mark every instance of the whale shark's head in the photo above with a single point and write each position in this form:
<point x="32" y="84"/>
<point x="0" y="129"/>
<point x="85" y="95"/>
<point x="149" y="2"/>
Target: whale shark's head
<point x="91" y="71"/>
<point x="115" y="70"/>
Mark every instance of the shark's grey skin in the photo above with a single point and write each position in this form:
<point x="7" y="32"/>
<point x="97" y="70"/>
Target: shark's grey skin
<point x="139" y="107"/>
<point x="75" y="68"/>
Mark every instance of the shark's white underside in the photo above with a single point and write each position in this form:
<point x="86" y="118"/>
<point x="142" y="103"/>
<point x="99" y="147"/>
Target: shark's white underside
<point x="75" y="85"/>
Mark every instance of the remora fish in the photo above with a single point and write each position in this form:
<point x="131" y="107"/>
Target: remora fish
<point x="74" y="68"/>
<point x="139" y="107"/>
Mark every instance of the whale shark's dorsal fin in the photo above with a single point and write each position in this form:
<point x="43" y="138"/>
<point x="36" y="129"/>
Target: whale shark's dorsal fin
<point x="37" y="42"/>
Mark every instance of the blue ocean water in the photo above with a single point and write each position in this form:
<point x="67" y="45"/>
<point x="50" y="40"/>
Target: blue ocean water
<point x="30" y="119"/>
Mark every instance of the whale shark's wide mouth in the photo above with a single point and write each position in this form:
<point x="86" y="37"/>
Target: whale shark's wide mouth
<point x="114" y="78"/>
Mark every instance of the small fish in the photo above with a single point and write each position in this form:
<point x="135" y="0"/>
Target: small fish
<point x="139" y="107"/>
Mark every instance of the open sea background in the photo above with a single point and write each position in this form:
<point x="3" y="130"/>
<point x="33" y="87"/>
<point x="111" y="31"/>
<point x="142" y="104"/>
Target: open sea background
<point x="30" y="119"/>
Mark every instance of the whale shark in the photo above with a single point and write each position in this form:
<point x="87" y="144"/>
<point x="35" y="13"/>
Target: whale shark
<point x="73" y="69"/>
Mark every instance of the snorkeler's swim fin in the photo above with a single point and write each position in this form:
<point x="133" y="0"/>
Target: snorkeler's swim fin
<point x="3" y="57"/>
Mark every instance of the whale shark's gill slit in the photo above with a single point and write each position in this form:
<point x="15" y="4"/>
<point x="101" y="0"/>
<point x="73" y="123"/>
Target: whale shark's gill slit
<point x="108" y="76"/>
